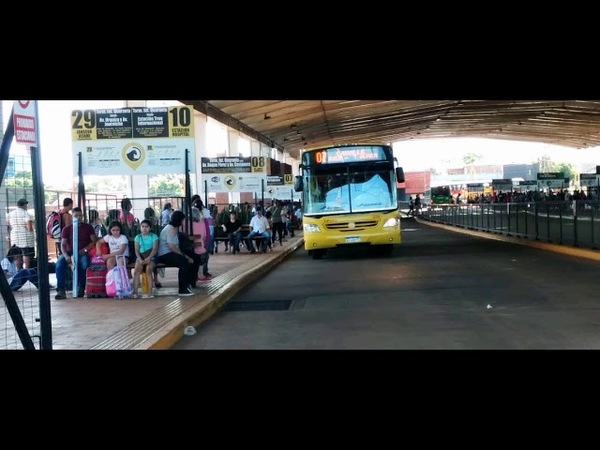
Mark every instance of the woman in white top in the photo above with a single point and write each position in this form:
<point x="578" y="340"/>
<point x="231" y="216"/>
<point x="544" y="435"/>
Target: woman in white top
<point x="118" y="244"/>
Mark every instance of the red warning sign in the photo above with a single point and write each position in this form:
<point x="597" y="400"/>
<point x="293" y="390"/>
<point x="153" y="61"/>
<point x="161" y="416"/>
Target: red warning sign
<point x="25" y="121"/>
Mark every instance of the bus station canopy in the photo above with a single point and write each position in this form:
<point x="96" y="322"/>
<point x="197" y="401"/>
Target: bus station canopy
<point x="293" y="125"/>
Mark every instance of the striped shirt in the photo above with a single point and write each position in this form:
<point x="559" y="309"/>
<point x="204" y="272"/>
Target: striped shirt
<point x="19" y="233"/>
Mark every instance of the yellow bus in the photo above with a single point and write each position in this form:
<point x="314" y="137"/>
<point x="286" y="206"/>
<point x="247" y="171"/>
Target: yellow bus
<point x="349" y="198"/>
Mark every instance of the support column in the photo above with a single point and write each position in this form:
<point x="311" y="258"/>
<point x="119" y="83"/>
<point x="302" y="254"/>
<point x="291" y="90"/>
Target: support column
<point x="232" y="150"/>
<point x="201" y="150"/>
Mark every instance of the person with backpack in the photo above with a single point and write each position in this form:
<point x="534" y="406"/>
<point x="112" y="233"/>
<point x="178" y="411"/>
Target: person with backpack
<point x="56" y="221"/>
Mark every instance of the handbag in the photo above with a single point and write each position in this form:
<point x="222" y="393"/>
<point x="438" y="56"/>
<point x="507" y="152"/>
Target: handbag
<point x="104" y="250"/>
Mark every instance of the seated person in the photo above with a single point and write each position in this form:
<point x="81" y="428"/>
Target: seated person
<point x="233" y="228"/>
<point x="146" y="251"/>
<point x="18" y="277"/>
<point x="86" y="239"/>
<point x="260" y="226"/>
<point x="170" y="253"/>
<point x="118" y="244"/>
<point x="126" y="218"/>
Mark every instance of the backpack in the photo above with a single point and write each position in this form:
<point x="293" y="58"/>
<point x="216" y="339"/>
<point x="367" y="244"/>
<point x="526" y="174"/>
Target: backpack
<point x="53" y="225"/>
<point x="117" y="282"/>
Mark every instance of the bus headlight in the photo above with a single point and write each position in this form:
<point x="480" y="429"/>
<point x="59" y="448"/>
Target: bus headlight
<point x="311" y="228"/>
<point x="392" y="222"/>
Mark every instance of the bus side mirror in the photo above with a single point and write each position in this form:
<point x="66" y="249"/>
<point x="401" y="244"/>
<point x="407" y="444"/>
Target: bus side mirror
<point x="399" y="174"/>
<point x="298" y="183"/>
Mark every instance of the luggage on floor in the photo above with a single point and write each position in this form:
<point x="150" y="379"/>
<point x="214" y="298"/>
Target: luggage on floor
<point x="117" y="281"/>
<point x="95" y="281"/>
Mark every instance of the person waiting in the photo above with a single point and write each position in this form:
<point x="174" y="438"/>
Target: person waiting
<point x="118" y="244"/>
<point x="200" y="238"/>
<point x="18" y="277"/>
<point x="21" y="232"/>
<point x="233" y="228"/>
<point x="165" y="215"/>
<point x="277" y="220"/>
<point x="260" y="227"/>
<point x="146" y="251"/>
<point x="86" y="240"/>
<point x="170" y="254"/>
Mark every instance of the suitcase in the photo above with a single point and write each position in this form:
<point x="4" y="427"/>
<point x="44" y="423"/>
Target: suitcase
<point x="95" y="281"/>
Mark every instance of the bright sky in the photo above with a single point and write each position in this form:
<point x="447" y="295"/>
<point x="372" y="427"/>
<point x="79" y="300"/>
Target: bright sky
<point x="413" y="155"/>
<point x="416" y="155"/>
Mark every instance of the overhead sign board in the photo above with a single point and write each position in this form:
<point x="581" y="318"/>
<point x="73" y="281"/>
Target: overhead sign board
<point x="134" y="141"/>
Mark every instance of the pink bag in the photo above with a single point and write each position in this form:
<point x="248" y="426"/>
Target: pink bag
<point x="117" y="281"/>
<point x="111" y="286"/>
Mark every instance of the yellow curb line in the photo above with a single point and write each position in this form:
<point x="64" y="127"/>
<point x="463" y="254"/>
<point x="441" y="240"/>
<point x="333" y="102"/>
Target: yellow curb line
<point x="171" y="333"/>
<point x="557" y="248"/>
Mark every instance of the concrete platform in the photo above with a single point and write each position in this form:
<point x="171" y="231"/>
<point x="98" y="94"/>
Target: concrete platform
<point x="157" y="323"/>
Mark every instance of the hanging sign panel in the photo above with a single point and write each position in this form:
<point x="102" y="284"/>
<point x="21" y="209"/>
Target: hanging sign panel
<point x="234" y="174"/>
<point x="134" y="141"/>
<point x="25" y="122"/>
<point x="552" y="180"/>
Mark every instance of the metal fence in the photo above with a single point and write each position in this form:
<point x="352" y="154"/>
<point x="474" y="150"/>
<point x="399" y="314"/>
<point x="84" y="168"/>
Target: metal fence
<point x="569" y="222"/>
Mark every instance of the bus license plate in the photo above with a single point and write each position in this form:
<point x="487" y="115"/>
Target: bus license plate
<point x="353" y="239"/>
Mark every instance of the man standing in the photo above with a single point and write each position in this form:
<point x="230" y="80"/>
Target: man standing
<point x="87" y="239"/>
<point x="65" y="219"/>
<point x="21" y="232"/>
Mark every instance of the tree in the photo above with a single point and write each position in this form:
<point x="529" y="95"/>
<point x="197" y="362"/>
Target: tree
<point x="567" y="169"/>
<point x="469" y="159"/>
<point x="106" y="184"/>
<point x="21" y="179"/>
<point x="168" y="185"/>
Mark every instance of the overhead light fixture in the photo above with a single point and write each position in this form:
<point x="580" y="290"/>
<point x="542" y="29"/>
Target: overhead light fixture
<point x="267" y="116"/>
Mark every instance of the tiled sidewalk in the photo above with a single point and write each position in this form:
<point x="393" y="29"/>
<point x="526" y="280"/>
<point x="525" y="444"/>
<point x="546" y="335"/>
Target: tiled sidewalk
<point x="102" y="323"/>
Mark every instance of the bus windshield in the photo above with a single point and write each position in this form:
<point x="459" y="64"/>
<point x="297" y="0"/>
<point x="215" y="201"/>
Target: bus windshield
<point x="357" y="187"/>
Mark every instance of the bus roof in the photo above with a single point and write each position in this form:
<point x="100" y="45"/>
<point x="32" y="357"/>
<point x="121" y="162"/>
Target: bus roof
<point x="312" y="149"/>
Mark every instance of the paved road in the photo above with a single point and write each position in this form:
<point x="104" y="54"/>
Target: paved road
<point x="440" y="290"/>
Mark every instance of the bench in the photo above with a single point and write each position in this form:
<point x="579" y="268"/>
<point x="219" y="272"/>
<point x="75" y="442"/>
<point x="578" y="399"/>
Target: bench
<point x="221" y="236"/>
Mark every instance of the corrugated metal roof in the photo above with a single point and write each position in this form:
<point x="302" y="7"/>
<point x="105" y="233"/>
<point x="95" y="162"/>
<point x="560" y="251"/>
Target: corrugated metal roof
<point x="293" y="125"/>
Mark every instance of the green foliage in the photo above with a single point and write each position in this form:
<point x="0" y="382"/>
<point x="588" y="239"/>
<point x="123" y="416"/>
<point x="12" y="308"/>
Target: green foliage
<point x="568" y="169"/>
<point x="21" y="179"/>
<point x="471" y="158"/>
<point x="106" y="184"/>
<point x="166" y="185"/>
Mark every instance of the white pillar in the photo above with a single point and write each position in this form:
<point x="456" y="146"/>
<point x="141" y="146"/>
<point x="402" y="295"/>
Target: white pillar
<point x="232" y="150"/>
<point x="255" y="148"/>
<point x="201" y="150"/>
<point x="233" y="136"/>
